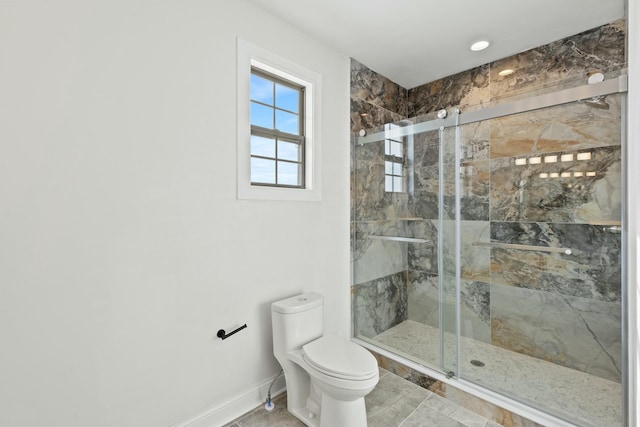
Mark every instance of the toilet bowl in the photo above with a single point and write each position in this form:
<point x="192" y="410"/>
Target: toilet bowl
<point x="327" y="377"/>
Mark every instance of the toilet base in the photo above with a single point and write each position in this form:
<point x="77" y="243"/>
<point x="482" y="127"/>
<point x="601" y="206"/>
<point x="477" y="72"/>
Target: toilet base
<point x="351" y="413"/>
<point x="334" y="413"/>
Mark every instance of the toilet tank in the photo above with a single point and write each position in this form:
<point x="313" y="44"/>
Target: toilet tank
<point x="296" y="321"/>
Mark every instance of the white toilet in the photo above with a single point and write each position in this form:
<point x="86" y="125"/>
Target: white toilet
<point x="327" y="377"/>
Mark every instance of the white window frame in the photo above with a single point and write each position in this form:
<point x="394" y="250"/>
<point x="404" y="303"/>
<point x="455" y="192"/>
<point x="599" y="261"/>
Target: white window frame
<point x="248" y="56"/>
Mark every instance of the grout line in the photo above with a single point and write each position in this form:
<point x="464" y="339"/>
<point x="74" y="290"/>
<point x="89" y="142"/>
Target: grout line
<point x="412" y="412"/>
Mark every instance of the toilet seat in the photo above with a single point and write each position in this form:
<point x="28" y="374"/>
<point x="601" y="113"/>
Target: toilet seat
<point x="340" y="358"/>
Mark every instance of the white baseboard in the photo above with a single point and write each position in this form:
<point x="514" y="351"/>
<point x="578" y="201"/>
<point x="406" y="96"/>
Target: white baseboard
<point x="236" y="406"/>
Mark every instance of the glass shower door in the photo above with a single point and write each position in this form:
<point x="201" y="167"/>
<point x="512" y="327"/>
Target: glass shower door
<point x="401" y="302"/>
<point x="541" y="251"/>
<point x="488" y="247"/>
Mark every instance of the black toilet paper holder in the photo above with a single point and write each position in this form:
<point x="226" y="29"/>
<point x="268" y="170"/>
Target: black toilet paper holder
<point x="223" y="335"/>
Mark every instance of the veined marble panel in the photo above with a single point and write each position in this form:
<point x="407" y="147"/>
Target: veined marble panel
<point x="426" y="148"/>
<point x="371" y="201"/>
<point x="423" y="256"/>
<point x="474" y="191"/>
<point x="423" y="298"/>
<point x="474" y="144"/>
<point x="572" y="191"/>
<point x="468" y="90"/>
<point x="374" y="258"/>
<point x="561" y="64"/>
<point x="474" y="171"/>
<point x="475" y="298"/>
<point x="574" y="126"/>
<point x="370" y="117"/>
<point x="374" y="88"/>
<point x="580" y="334"/>
<point x="475" y="261"/>
<point x="379" y="304"/>
<point x="424" y="202"/>
<point x="557" y="65"/>
<point x="424" y="305"/>
<point x="593" y="270"/>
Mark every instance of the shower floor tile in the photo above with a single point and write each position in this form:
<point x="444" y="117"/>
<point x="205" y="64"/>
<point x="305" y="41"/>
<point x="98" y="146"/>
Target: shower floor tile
<point x="591" y="401"/>
<point x="395" y="402"/>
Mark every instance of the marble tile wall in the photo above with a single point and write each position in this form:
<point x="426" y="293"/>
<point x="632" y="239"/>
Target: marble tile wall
<point x="558" y="65"/>
<point x="375" y="100"/>
<point x="380" y="304"/>
<point x="509" y="194"/>
<point x="379" y="267"/>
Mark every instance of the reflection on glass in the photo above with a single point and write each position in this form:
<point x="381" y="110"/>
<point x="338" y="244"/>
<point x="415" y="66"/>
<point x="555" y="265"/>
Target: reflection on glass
<point x="397" y="183"/>
<point x="393" y="148"/>
<point x="388" y="183"/>
<point x="394" y="179"/>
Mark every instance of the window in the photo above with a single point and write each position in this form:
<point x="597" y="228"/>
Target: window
<point x="278" y="138"/>
<point x="393" y="161"/>
<point x="277" y="131"/>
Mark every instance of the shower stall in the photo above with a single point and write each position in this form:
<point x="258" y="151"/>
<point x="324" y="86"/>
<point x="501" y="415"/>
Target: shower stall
<point x="488" y="246"/>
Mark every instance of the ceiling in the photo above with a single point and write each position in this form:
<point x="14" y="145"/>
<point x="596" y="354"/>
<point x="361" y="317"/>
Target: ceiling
<point x="413" y="42"/>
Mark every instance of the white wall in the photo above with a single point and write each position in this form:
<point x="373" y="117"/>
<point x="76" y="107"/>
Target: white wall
<point x="123" y="248"/>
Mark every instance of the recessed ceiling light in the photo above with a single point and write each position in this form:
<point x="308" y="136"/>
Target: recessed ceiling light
<point x="480" y="45"/>
<point x="506" y="72"/>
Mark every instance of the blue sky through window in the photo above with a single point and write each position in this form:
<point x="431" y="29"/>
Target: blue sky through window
<point x="275" y="106"/>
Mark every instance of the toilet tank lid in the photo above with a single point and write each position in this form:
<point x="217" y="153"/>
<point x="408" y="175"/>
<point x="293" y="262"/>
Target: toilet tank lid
<point x="298" y="303"/>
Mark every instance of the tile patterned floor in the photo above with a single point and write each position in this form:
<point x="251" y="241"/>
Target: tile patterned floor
<point x="589" y="400"/>
<point x="395" y="402"/>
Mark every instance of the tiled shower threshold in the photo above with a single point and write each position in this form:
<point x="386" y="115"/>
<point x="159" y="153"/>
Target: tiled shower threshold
<point x="589" y="400"/>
